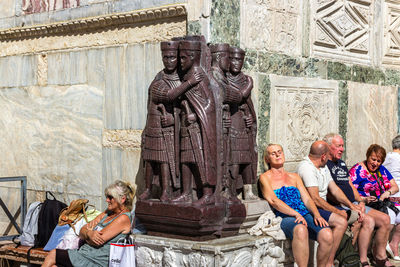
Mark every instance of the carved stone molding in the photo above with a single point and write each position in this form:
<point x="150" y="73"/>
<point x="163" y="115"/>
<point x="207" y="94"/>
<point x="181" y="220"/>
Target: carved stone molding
<point x="237" y="251"/>
<point x="342" y="29"/>
<point x="280" y="22"/>
<point x="391" y="34"/>
<point x="123" y="139"/>
<point x="95" y="23"/>
<point x="302" y="111"/>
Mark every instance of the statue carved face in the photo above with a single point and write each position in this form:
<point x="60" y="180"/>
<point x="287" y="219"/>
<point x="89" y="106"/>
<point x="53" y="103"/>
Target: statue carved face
<point x="187" y="59"/>
<point x="236" y="61"/>
<point x="224" y="61"/>
<point x="170" y="59"/>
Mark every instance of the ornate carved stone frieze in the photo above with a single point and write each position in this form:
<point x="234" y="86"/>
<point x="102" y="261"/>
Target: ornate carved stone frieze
<point x="341" y="29"/>
<point x="95" y="23"/>
<point x="391" y="33"/>
<point x="280" y="23"/>
<point x="238" y="251"/>
<point x="303" y="110"/>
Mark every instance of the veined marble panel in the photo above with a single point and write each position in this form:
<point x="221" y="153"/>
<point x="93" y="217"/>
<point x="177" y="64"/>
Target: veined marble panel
<point x="372" y="117"/>
<point x="130" y="70"/>
<point x="341" y="29"/>
<point x="391" y="33"/>
<point x="18" y="70"/>
<point x="273" y="25"/>
<point x="53" y="137"/>
<point x="121" y="164"/>
<point x="303" y="110"/>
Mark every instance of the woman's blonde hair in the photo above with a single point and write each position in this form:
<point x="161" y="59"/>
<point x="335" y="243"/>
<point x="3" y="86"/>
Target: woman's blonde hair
<point x="120" y="189"/>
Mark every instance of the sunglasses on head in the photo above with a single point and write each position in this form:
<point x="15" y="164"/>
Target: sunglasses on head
<point x="109" y="197"/>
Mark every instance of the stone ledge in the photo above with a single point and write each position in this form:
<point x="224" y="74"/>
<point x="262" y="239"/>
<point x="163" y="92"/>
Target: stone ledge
<point x="95" y="23"/>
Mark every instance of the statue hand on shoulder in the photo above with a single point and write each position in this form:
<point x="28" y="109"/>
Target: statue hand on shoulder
<point x="195" y="78"/>
<point x="167" y="120"/>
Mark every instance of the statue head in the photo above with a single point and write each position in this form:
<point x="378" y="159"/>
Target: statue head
<point x="169" y="52"/>
<point x="220" y="56"/>
<point x="189" y="54"/>
<point x="236" y="57"/>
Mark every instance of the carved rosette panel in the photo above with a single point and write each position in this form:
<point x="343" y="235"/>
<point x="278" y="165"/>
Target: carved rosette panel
<point x="372" y="117"/>
<point x="391" y="34"/>
<point x="303" y="110"/>
<point x="341" y="29"/>
<point x="280" y="21"/>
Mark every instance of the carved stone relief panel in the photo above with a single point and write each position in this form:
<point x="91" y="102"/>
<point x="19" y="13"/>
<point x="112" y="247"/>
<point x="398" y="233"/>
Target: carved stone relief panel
<point x="341" y="29"/>
<point x="37" y="6"/>
<point x="372" y="117"/>
<point x="303" y="110"/>
<point x="273" y="25"/>
<point x="391" y="33"/>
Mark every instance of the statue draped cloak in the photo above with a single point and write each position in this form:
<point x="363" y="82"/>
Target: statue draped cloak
<point x="202" y="102"/>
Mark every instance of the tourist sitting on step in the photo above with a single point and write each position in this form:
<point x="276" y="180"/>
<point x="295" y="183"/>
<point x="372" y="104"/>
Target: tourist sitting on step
<point x="373" y="219"/>
<point x="108" y="227"/>
<point x="375" y="184"/>
<point x="318" y="180"/>
<point x="290" y="200"/>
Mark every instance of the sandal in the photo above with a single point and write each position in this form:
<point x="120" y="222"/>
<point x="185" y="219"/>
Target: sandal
<point x="382" y="263"/>
<point x="365" y="263"/>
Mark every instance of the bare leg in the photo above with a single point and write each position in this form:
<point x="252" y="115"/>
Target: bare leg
<point x="394" y="243"/>
<point x="364" y="237"/>
<point x="148" y="175"/>
<point x="299" y="246"/>
<point x="325" y="240"/>
<point x="165" y="176"/>
<point x="338" y="225"/>
<point x="50" y="259"/>
<point x="382" y="223"/>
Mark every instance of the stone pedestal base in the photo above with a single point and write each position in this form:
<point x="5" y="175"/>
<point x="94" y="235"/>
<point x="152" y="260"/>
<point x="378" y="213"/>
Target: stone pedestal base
<point x="254" y="209"/>
<point x="186" y="221"/>
<point x="238" y="251"/>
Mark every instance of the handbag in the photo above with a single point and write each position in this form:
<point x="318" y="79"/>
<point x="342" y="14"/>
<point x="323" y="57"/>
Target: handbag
<point x="122" y="253"/>
<point x="379" y="204"/>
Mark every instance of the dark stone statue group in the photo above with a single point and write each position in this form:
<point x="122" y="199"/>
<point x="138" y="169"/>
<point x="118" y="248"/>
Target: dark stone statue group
<point x="200" y="134"/>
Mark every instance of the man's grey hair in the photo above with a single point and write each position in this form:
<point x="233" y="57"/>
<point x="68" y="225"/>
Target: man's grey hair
<point x="328" y="138"/>
<point x="396" y="142"/>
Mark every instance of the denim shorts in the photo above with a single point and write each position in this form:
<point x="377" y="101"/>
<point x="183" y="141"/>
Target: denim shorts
<point x="288" y="224"/>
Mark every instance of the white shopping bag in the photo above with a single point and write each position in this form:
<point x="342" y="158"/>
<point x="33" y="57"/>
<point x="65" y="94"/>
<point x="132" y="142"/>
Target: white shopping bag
<point x="122" y="253"/>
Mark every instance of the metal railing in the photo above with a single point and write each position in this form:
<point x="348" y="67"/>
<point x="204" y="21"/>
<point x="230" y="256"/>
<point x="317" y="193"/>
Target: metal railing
<point x="23" y="207"/>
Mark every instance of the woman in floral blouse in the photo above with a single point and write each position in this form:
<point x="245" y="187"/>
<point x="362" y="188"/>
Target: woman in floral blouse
<point x="374" y="182"/>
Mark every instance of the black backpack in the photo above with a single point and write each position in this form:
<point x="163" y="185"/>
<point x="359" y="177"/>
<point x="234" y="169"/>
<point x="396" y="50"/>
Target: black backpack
<point x="48" y="219"/>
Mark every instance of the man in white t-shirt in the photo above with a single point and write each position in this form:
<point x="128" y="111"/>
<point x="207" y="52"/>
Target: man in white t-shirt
<point x="317" y="179"/>
<point x="392" y="162"/>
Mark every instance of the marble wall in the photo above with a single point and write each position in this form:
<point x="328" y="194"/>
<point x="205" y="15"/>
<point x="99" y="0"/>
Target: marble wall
<point x="73" y="106"/>
<point x="371" y="115"/>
